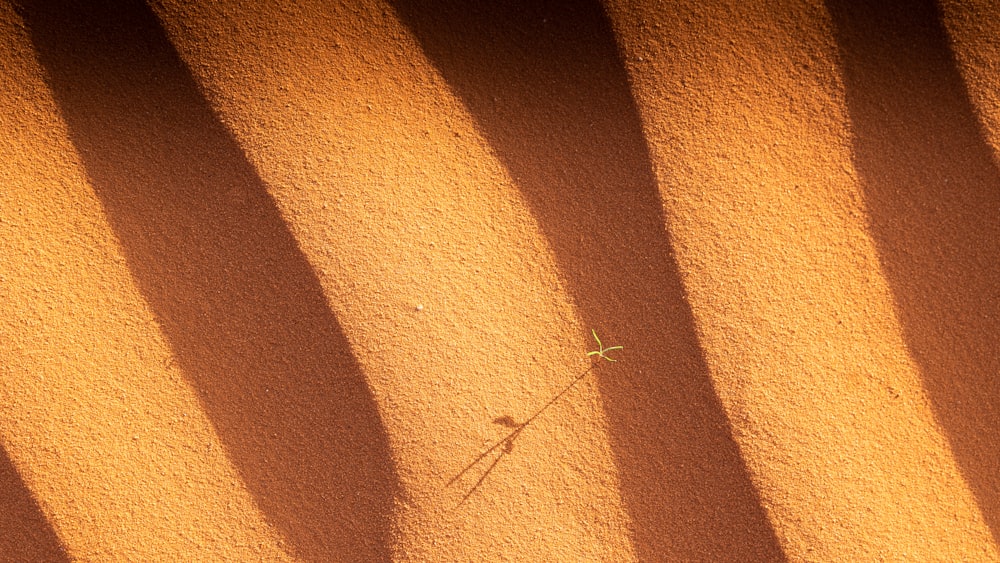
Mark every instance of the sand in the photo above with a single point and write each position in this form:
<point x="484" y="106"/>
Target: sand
<point x="273" y="280"/>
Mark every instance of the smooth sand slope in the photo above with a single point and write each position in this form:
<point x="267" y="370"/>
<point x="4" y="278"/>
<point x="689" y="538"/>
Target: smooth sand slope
<point x="274" y="279"/>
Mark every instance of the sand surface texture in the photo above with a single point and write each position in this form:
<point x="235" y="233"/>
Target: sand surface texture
<point x="275" y="281"/>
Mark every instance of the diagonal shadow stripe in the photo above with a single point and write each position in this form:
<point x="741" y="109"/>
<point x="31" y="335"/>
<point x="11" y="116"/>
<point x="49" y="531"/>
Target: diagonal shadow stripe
<point x="241" y="307"/>
<point x="548" y="90"/>
<point x="932" y="190"/>
<point x="25" y="534"/>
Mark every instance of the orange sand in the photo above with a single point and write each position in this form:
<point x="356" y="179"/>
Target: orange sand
<point x="270" y="277"/>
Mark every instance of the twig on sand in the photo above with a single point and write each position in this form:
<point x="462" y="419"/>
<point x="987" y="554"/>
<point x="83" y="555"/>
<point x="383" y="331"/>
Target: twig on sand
<point x="507" y="442"/>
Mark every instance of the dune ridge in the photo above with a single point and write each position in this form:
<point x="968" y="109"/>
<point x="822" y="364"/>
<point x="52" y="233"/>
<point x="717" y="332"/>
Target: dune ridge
<point x="273" y="278"/>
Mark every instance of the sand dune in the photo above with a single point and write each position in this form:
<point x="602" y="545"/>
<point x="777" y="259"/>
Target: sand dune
<point x="274" y="279"/>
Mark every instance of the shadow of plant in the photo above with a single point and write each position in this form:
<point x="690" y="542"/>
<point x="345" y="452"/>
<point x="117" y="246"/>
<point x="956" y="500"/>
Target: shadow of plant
<point x="505" y="445"/>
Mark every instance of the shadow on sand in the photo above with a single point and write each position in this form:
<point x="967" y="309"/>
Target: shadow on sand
<point x="932" y="190"/>
<point x="547" y="89"/>
<point x="241" y="307"/>
<point x="25" y="534"/>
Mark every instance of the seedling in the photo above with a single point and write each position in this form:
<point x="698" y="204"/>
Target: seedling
<point x="600" y="353"/>
<point x="507" y="442"/>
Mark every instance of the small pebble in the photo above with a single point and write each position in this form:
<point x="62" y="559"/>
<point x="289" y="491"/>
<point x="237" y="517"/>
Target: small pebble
<point x="420" y="307"/>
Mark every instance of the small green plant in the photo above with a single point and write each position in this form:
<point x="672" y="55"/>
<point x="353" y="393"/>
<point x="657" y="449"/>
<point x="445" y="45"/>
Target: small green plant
<point x="602" y="350"/>
<point x="506" y="444"/>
